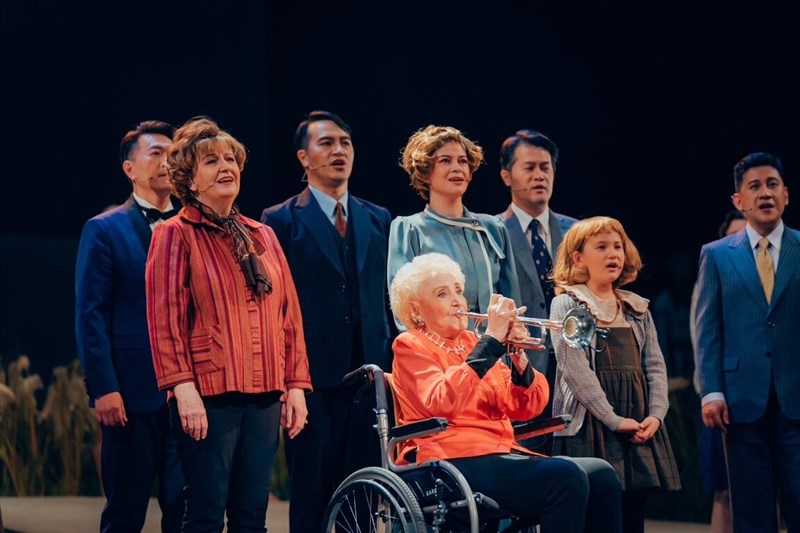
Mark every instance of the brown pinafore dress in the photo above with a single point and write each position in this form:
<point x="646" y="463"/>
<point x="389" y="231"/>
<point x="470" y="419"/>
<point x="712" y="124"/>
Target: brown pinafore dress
<point x="619" y="371"/>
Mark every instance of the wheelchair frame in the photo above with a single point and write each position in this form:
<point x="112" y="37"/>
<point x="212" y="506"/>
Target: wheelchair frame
<point x="394" y="504"/>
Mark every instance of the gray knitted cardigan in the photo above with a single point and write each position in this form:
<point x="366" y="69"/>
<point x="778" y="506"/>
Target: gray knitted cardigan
<point x="576" y="386"/>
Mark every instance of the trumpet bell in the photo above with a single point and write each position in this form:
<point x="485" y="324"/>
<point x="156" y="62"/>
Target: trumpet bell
<point x="578" y="327"/>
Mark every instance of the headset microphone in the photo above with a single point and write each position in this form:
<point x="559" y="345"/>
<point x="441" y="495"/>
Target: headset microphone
<point x="199" y="190"/>
<point x="318" y="167"/>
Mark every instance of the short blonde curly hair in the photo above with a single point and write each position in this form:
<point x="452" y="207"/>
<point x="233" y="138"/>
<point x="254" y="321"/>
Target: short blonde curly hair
<point x="565" y="272"/>
<point x="194" y="139"/>
<point x="417" y="158"/>
<point x="407" y="281"/>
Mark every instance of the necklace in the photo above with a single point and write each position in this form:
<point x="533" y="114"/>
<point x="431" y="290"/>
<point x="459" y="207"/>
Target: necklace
<point x="449" y="346"/>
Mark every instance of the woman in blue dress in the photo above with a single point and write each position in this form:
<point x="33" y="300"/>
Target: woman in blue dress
<point x="440" y="161"/>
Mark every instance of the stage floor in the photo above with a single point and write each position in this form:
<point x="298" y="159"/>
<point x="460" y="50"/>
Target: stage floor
<point x="82" y="515"/>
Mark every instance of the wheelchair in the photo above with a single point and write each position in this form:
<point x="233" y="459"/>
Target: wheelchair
<point x="428" y="497"/>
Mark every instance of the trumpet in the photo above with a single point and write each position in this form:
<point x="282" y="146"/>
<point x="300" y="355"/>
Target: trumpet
<point x="577" y="329"/>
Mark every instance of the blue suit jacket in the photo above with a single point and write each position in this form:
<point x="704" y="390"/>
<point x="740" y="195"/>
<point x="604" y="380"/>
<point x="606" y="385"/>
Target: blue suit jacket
<point x="305" y="235"/>
<point x="530" y="289"/>
<point x="110" y="311"/>
<point x="743" y="342"/>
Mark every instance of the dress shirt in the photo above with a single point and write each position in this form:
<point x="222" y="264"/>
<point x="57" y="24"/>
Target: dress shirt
<point x="774" y="239"/>
<point x="147" y="205"/>
<point x="544" y="228"/>
<point x="328" y="204"/>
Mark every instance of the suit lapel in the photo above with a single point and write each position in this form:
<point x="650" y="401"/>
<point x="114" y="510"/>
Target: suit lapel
<point x="787" y="264"/>
<point x="520" y="242"/>
<point x="140" y="225"/>
<point x="556" y="233"/>
<point x="359" y="217"/>
<point x="744" y="263"/>
<point x="310" y="214"/>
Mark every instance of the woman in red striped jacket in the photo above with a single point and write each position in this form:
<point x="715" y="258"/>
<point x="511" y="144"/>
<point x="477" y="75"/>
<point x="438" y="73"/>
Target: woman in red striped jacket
<point x="226" y="334"/>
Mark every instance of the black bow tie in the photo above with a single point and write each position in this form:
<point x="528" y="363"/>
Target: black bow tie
<point x="152" y="214"/>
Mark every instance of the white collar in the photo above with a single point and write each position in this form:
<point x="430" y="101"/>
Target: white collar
<point x="328" y="203"/>
<point x="525" y="219"/>
<point x="774" y="237"/>
<point x="147" y="205"/>
<point x="631" y="300"/>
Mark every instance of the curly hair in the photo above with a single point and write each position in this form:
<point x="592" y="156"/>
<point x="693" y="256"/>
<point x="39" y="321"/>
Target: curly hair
<point x="418" y="155"/>
<point x="407" y="281"/>
<point x="195" y="138"/>
<point x="565" y="272"/>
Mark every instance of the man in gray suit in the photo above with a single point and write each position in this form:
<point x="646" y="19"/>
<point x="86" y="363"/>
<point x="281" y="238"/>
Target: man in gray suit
<point x="528" y="162"/>
<point x="749" y="348"/>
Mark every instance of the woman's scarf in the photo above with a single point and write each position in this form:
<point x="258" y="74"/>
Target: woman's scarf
<point x="243" y="249"/>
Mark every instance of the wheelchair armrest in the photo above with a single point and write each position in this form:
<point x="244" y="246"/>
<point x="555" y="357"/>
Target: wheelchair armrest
<point x="534" y="428"/>
<point x="418" y="429"/>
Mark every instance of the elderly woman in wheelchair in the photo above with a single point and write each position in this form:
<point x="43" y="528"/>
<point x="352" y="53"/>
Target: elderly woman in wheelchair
<point x="456" y="394"/>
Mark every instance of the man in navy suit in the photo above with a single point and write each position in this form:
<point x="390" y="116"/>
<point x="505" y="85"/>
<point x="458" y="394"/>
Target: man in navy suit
<point x="113" y="342"/>
<point x="528" y="162"/>
<point x="749" y="348"/>
<point x="336" y="245"/>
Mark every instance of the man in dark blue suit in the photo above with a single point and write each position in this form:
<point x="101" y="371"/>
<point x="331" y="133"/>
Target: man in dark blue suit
<point x="749" y="348"/>
<point x="336" y="245"/>
<point x="111" y="330"/>
<point x="528" y="162"/>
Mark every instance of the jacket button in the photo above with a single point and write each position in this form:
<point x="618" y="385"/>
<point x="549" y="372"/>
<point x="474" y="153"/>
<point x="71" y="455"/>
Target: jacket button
<point x="771" y="324"/>
<point x="541" y="305"/>
<point x="768" y="354"/>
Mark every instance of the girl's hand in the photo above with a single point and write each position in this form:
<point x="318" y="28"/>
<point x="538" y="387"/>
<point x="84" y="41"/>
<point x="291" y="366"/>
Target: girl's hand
<point x="649" y="427"/>
<point x="628" y="425"/>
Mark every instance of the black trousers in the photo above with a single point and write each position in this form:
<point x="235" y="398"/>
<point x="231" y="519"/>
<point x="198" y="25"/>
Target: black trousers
<point x="560" y="494"/>
<point x="230" y="470"/>
<point x="338" y="440"/>
<point x="132" y="458"/>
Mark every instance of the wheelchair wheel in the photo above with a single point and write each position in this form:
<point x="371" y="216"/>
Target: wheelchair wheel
<point x="375" y="500"/>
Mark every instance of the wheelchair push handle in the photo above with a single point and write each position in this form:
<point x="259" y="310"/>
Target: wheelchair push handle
<point x="371" y="373"/>
<point x="361" y="373"/>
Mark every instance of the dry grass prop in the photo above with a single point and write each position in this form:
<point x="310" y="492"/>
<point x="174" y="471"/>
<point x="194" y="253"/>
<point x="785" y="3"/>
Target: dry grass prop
<point x="19" y="441"/>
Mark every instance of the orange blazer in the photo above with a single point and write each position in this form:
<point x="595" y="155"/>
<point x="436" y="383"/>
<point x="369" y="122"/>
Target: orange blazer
<point x="432" y="382"/>
<point x="206" y="325"/>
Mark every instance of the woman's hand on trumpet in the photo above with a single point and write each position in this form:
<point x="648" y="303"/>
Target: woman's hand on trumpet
<point x="501" y="319"/>
<point x="517" y="335"/>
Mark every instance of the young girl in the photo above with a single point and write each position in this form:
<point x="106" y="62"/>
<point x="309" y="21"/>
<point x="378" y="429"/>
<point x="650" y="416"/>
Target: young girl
<point x="616" y="390"/>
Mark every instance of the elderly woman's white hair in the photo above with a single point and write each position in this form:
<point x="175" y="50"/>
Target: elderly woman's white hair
<point x="410" y="276"/>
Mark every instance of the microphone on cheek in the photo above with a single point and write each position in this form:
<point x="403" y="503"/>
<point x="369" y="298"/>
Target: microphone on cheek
<point x="317" y="167"/>
<point x="199" y="190"/>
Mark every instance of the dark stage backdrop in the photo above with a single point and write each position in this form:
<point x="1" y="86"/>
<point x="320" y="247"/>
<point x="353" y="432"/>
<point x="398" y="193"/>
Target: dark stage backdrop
<point x="650" y="106"/>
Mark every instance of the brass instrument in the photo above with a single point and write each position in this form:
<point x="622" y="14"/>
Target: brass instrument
<point x="577" y="329"/>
